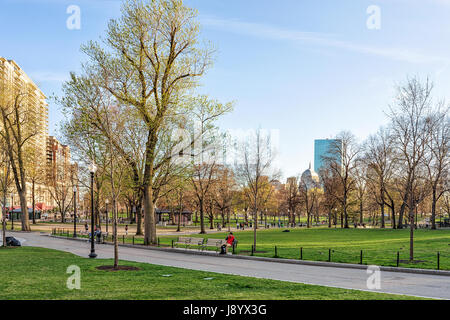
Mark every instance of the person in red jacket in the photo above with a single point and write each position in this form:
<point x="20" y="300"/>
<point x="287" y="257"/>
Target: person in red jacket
<point x="230" y="240"/>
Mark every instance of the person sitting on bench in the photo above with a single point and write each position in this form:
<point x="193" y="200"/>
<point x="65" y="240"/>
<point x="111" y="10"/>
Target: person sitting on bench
<point x="230" y="240"/>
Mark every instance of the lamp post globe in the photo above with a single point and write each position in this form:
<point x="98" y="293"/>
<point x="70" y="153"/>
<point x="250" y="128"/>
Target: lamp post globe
<point x="92" y="170"/>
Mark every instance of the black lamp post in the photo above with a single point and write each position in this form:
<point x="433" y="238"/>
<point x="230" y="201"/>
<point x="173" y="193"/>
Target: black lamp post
<point x="12" y="211"/>
<point x="106" y="209"/>
<point x="74" y="211"/>
<point x="92" y="169"/>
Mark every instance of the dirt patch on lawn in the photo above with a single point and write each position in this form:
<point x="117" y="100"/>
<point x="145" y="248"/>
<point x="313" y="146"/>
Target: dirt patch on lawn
<point x="249" y="251"/>
<point x="413" y="262"/>
<point x="119" y="268"/>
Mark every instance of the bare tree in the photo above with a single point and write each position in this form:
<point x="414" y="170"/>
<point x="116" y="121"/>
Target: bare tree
<point x="5" y="184"/>
<point x="410" y="124"/>
<point x="60" y="186"/>
<point x="17" y="132"/>
<point x="437" y="159"/>
<point x="203" y="177"/>
<point x="308" y="197"/>
<point x="361" y="188"/>
<point x="331" y="186"/>
<point x="292" y="195"/>
<point x="379" y="157"/>
<point x="224" y="192"/>
<point x="342" y="161"/>
<point x="153" y="58"/>
<point x="255" y="170"/>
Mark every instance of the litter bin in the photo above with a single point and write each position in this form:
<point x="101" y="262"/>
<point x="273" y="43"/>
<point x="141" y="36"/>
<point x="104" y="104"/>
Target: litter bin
<point x="12" y="242"/>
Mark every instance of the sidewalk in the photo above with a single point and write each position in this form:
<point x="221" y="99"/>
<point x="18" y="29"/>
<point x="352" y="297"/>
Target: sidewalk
<point x="422" y="285"/>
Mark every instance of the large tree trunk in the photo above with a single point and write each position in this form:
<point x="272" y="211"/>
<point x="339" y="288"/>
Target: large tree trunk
<point x="33" y="202"/>
<point x="329" y="219"/>
<point x="433" y="210"/>
<point x="202" y="217"/>
<point x="149" y="218"/>
<point x="116" y="240"/>
<point x="361" y="218"/>
<point x="400" y="216"/>
<point x="411" y="223"/>
<point x="382" y="209"/>
<point x="345" y="213"/>
<point x="62" y="212"/>
<point x="4" y="219"/>
<point x="411" y="235"/>
<point x="24" y="208"/>
<point x="393" y="217"/>
<point x="255" y="223"/>
<point x="138" y="219"/>
<point x="308" y="219"/>
<point x="211" y="220"/>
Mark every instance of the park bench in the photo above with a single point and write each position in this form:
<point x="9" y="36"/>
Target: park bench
<point x="183" y="241"/>
<point x="197" y="242"/>
<point x="188" y="242"/>
<point x="217" y="243"/>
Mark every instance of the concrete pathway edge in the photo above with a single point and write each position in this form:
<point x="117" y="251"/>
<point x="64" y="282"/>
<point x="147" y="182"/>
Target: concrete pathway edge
<point x="278" y="260"/>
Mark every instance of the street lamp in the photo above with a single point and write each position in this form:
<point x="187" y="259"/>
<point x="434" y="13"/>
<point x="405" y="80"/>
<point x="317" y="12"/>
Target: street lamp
<point x="106" y="209"/>
<point x="92" y="170"/>
<point x="74" y="211"/>
<point x="12" y="211"/>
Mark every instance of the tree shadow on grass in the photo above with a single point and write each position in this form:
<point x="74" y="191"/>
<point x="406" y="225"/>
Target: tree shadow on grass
<point x="119" y="268"/>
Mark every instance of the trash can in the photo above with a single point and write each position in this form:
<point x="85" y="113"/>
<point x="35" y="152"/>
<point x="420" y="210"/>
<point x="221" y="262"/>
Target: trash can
<point x="223" y="249"/>
<point x="12" y="242"/>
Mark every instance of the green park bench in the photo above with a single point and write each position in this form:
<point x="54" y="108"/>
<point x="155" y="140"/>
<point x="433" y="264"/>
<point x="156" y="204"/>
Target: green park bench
<point x="189" y="242"/>
<point x="217" y="243"/>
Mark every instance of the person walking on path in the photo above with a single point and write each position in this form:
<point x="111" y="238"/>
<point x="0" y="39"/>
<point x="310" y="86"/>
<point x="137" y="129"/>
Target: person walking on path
<point x="126" y="230"/>
<point x="98" y="233"/>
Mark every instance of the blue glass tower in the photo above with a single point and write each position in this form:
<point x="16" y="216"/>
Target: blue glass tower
<point x="324" y="148"/>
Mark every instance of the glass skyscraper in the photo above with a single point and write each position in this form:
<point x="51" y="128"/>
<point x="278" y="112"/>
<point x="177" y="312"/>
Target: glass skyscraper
<point x="324" y="148"/>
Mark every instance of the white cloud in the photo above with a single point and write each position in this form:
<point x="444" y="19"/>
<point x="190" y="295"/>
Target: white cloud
<point x="320" y="39"/>
<point x="46" y="76"/>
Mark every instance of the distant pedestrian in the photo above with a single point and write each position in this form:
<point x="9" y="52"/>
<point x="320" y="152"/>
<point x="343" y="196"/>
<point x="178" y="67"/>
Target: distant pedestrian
<point x="98" y="233"/>
<point x="126" y="230"/>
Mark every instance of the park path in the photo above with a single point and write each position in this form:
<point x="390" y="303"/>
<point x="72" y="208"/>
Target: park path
<point x="433" y="286"/>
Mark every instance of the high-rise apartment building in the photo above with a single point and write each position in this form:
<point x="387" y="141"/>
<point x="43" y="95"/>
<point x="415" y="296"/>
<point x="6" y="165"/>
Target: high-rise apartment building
<point x="43" y="152"/>
<point x="58" y="160"/>
<point x="16" y="85"/>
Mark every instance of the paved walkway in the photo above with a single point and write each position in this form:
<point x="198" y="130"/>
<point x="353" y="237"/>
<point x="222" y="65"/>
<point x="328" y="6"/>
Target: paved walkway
<point x="391" y="282"/>
<point x="172" y="231"/>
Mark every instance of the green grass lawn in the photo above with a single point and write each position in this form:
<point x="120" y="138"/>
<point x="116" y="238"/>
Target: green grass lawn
<point x="379" y="246"/>
<point x="37" y="273"/>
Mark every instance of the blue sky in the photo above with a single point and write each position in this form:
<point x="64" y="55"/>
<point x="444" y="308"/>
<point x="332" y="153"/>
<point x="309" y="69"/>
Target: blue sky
<point x="307" y="68"/>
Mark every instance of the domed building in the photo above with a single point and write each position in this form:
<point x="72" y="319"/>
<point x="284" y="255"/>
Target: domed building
<point x="310" y="178"/>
